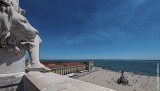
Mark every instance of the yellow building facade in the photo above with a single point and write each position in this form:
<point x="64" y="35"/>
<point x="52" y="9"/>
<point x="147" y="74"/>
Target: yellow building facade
<point x="68" y="70"/>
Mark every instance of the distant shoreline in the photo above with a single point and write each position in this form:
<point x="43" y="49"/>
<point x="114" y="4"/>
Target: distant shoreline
<point x="141" y="67"/>
<point x="138" y="73"/>
<point x="99" y="59"/>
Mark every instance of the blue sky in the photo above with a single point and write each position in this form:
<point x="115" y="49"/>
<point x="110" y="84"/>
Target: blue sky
<point x="96" y="29"/>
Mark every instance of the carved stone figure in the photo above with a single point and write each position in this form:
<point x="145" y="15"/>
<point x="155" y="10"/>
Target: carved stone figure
<point x="16" y="34"/>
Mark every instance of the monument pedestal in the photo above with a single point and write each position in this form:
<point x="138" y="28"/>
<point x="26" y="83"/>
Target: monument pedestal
<point x="12" y="82"/>
<point x="11" y="63"/>
<point x="12" y="70"/>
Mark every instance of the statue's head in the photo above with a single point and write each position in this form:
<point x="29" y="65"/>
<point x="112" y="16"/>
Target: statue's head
<point x="14" y="27"/>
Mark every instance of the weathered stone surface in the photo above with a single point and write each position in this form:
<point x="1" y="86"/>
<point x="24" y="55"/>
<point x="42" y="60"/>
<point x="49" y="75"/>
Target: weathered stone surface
<point x="10" y="79"/>
<point x="12" y="82"/>
<point x="11" y="63"/>
<point x="54" y="82"/>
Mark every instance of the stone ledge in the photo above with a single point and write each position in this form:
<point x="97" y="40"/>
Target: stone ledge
<point x="10" y="79"/>
<point x="54" y="82"/>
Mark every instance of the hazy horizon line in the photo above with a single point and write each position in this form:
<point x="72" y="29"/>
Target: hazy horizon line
<point x="99" y="59"/>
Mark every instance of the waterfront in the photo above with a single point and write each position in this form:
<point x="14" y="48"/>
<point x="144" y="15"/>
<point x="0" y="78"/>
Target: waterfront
<point x="141" y="74"/>
<point x="146" y="67"/>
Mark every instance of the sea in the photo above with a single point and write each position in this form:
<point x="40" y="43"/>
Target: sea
<point x="142" y="67"/>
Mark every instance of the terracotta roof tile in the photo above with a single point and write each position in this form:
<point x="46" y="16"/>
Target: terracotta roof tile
<point x="58" y="64"/>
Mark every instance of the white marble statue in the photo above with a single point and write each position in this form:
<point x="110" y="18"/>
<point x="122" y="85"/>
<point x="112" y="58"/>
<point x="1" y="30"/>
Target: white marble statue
<point x="17" y="35"/>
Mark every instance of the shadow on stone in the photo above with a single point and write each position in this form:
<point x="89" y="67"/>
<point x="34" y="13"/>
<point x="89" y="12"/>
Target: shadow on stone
<point x="11" y="63"/>
<point x="9" y="58"/>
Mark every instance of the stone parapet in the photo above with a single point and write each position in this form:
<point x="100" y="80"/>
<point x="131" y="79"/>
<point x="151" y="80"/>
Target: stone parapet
<point x="36" y="81"/>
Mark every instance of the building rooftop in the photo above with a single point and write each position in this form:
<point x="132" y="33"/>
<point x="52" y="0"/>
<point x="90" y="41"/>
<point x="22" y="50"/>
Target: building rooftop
<point x="59" y="64"/>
